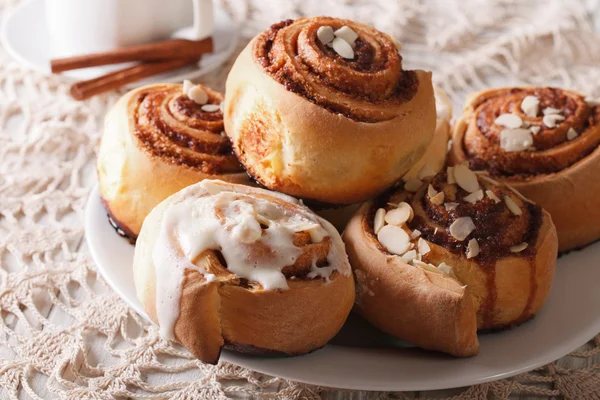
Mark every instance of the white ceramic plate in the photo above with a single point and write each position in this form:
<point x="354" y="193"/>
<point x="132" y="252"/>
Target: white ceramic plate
<point x="24" y="36"/>
<point x="363" y="358"/>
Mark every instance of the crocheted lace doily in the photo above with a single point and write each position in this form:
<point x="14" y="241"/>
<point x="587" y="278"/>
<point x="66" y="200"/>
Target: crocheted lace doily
<point x="64" y="334"/>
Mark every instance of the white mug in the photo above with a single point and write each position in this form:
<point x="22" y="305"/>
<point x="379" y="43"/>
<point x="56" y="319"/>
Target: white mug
<point x="79" y="27"/>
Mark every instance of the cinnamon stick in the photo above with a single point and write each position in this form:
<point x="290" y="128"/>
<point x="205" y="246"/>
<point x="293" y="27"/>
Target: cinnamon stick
<point x="168" y="49"/>
<point x="114" y="80"/>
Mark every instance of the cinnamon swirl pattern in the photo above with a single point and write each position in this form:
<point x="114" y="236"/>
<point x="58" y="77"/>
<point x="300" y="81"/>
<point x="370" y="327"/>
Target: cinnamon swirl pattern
<point x="157" y="141"/>
<point x="323" y="122"/>
<point x="222" y="265"/>
<point x="543" y="141"/>
<point x="459" y="253"/>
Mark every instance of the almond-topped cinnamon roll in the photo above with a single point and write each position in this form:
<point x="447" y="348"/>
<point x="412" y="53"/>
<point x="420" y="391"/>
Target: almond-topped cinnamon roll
<point x="437" y="262"/>
<point x="321" y="108"/>
<point x="544" y="142"/>
<point x="223" y="265"/>
<point x="157" y="140"/>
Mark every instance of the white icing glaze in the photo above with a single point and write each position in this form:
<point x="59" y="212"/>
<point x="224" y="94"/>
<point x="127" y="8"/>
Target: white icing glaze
<point x="213" y="215"/>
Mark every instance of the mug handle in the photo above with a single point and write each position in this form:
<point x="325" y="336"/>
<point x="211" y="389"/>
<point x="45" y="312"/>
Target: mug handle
<point x="204" y="20"/>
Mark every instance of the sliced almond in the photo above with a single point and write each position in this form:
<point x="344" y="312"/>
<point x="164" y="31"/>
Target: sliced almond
<point x="461" y="228"/>
<point x="490" y="180"/>
<point x="187" y="85"/>
<point x="325" y="34"/>
<point x="426" y="172"/>
<point x="519" y="247"/>
<point x="474" y="197"/>
<point x="379" y="220"/>
<point x="492" y="196"/>
<point x="409" y="256"/>
<point x="343" y="48"/>
<point x="550" y="120"/>
<point x="592" y="102"/>
<point x="535" y="129"/>
<point x="415" y="234"/>
<point x="550" y="111"/>
<point x="519" y="194"/>
<point x="479" y="173"/>
<point x="465" y="178"/>
<point x="451" y="206"/>
<point x="509" y="121"/>
<point x="346" y="33"/>
<point x="512" y="206"/>
<point x="515" y="139"/>
<point x="530" y="106"/>
<point x="394" y="239"/>
<point x="450" y="175"/>
<point x="423" y="246"/>
<point x="400" y="215"/>
<point x="438" y="199"/>
<point x="210" y="108"/>
<point x="412" y="185"/>
<point x="431" y="191"/>
<point x="571" y="134"/>
<point x="472" y="249"/>
<point x="426" y="266"/>
<point x="197" y="94"/>
<point x="446" y="269"/>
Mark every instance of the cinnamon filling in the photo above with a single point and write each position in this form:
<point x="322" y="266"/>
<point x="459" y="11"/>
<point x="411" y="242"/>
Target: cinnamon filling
<point x="171" y="126"/>
<point x="554" y="148"/>
<point x="366" y="88"/>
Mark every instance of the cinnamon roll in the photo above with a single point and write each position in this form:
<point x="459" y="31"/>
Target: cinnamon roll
<point x="544" y="142"/>
<point x="320" y="108"/>
<point x="437" y="262"/>
<point x="223" y="265"/>
<point x="156" y="141"/>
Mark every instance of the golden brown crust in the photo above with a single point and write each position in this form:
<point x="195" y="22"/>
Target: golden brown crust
<point x="241" y="315"/>
<point x="324" y="140"/>
<point x="560" y="175"/>
<point x="156" y="141"/>
<point x="497" y="288"/>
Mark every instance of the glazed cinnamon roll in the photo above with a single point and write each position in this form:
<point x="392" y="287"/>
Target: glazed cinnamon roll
<point x="459" y="253"/>
<point x="156" y="141"/>
<point x="223" y="265"/>
<point x="321" y="108"/>
<point x="544" y="142"/>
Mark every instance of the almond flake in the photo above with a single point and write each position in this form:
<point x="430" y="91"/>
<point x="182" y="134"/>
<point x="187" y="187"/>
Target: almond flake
<point x="492" y="196"/>
<point x="519" y="247"/>
<point x="450" y="206"/>
<point x="222" y="107"/>
<point x="412" y="185"/>
<point x="479" y="173"/>
<point x="197" y="94"/>
<point x="461" y="228"/>
<point x="592" y="102"/>
<point x="474" y="197"/>
<point x="343" y="48"/>
<point x="509" y="121"/>
<point x="512" y="206"/>
<point x="550" y="120"/>
<point x="187" y="85"/>
<point x="379" y="220"/>
<point x="325" y="34"/>
<point x="472" y="249"/>
<point x="515" y="139"/>
<point x="394" y="239"/>
<point x="490" y="180"/>
<point x="426" y="266"/>
<point x="210" y="108"/>
<point x="223" y="133"/>
<point x="465" y="178"/>
<point x="450" y="175"/>
<point x="535" y="129"/>
<point x="431" y="191"/>
<point x="400" y="215"/>
<point x="571" y="134"/>
<point x="409" y="256"/>
<point x="426" y="172"/>
<point x="438" y="199"/>
<point x="550" y="111"/>
<point x="415" y="234"/>
<point x="519" y="194"/>
<point x="446" y="269"/>
<point x="530" y="106"/>
<point x="423" y="246"/>
<point x="347" y="34"/>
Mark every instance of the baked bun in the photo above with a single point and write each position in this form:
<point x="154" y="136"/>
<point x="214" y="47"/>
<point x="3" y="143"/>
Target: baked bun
<point x="544" y="142"/>
<point x="434" y="159"/>
<point x="157" y="141"/>
<point x="437" y="262"/>
<point x="305" y="121"/>
<point x="223" y="265"/>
